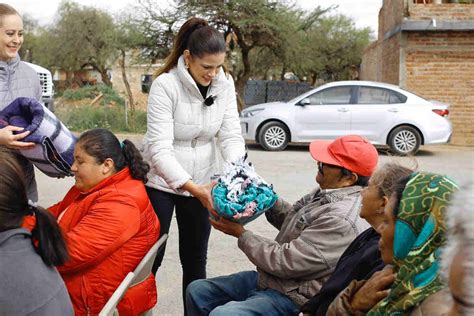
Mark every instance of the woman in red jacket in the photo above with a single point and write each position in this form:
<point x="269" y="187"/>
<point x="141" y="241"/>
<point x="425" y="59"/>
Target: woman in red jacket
<point x="108" y="223"/>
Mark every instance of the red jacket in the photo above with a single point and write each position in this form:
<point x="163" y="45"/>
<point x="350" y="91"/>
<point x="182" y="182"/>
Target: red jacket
<point x="108" y="230"/>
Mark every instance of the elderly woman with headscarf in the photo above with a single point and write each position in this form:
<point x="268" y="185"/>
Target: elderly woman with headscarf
<point x="412" y="235"/>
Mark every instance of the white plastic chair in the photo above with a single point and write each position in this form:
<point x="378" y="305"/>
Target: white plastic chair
<point x="141" y="272"/>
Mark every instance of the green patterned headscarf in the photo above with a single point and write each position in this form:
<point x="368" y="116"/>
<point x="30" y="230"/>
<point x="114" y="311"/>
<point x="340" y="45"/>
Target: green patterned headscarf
<point x="420" y="232"/>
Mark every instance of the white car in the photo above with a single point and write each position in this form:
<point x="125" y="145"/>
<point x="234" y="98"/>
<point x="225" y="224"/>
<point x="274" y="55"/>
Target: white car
<point x="47" y="88"/>
<point x="383" y="113"/>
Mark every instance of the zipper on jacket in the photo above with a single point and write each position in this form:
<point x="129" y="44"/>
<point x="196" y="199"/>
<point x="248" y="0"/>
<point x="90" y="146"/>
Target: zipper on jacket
<point x="84" y="295"/>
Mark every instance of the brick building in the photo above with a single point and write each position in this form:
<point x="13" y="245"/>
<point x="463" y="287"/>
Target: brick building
<point x="429" y="50"/>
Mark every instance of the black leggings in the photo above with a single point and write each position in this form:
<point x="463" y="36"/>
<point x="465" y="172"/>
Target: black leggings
<point x="194" y="229"/>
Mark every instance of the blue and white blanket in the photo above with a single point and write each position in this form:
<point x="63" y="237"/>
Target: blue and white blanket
<point x="53" y="153"/>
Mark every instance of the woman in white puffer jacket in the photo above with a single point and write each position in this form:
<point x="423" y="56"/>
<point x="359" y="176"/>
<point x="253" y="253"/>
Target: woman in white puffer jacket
<point x="192" y="112"/>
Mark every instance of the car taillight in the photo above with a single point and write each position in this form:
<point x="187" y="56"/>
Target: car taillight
<point x="442" y="112"/>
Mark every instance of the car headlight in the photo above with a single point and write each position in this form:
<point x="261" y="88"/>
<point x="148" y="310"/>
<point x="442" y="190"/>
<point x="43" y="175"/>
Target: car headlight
<point x="250" y="113"/>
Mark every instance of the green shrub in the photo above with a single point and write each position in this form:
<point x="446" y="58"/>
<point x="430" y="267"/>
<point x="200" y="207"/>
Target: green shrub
<point x="91" y="91"/>
<point x="85" y="117"/>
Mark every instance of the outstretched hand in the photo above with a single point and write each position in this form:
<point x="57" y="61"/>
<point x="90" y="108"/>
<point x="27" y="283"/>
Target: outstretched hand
<point x="227" y="227"/>
<point x="12" y="140"/>
<point x="374" y="290"/>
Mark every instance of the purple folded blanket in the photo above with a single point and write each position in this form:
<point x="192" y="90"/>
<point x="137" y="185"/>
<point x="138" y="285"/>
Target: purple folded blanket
<point x="54" y="150"/>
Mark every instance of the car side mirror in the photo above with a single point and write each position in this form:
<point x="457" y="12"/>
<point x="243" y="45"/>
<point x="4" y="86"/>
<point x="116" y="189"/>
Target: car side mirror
<point x="304" y="102"/>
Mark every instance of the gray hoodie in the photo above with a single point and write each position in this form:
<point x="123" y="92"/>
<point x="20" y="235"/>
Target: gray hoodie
<point x="28" y="286"/>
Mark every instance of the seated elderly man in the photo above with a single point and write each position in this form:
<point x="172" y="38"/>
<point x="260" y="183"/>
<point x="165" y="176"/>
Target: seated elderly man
<point x="313" y="233"/>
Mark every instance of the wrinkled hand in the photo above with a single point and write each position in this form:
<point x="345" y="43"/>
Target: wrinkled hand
<point x="11" y="140"/>
<point x="227" y="227"/>
<point x="374" y="290"/>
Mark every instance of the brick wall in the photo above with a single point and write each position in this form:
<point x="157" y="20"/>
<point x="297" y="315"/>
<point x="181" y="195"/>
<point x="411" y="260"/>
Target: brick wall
<point x="381" y="61"/>
<point x="390" y="60"/>
<point x="390" y="15"/>
<point x="435" y="65"/>
<point x="369" y="69"/>
<point x="446" y="11"/>
<point x="440" y="66"/>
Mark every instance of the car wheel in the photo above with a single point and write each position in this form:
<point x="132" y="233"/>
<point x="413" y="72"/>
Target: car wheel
<point x="274" y="136"/>
<point x="404" y="140"/>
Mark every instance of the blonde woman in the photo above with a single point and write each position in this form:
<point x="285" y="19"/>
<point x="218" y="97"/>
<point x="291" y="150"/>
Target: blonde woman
<point x="17" y="79"/>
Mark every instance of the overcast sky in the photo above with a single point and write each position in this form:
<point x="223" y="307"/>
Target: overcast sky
<point x="363" y="12"/>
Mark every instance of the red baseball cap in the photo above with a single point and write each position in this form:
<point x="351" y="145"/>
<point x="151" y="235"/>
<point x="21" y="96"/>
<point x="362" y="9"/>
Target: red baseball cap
<point x="352" y="152"/>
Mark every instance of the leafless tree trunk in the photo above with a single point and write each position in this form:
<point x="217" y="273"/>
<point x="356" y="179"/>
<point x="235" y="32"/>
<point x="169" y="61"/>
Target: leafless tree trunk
<point x="127" y="88"/>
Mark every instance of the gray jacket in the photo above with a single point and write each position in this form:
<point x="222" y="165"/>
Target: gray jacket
<point x="17" y="79"/>
<point x="29" y="287"/>
<point x="314" y="232"/>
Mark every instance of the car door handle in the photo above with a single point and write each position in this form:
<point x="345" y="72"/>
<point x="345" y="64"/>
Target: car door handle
<point x="394" y="110"/>
<point x="343" y="110"/>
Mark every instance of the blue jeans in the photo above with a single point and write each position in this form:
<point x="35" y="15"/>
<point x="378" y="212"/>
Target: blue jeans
<point x="236" y="294"/>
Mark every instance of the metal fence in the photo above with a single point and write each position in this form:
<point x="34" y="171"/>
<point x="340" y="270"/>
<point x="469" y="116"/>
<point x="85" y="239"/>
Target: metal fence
<point x="262" y="91"/>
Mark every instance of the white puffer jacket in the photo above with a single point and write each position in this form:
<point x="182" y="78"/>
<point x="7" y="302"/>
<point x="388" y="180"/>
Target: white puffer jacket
<point x="183" y="134"/>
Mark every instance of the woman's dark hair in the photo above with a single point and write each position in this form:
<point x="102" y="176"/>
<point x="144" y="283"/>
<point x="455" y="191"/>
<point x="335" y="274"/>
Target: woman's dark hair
<point x="14" y="207"/>
<point x="196" y="36"/>
<point x="397" y="190"/>
<point x="101" y="144"/>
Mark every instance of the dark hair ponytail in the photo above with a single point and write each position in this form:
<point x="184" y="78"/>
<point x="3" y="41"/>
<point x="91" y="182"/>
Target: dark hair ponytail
<point x="101" y="144"/>
<point x="138" y="167"/>
<point x="51" y="245"/>
<point x="14" y="207"/>
<point x="197" y="36"/>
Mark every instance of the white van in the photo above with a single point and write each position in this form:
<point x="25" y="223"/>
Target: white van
<point x="47" y="87"/>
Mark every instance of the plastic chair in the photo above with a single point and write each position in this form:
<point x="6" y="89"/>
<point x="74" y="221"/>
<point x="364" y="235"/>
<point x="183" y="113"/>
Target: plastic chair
<point x="141" y="272"/>
<point x="109" y="308"/>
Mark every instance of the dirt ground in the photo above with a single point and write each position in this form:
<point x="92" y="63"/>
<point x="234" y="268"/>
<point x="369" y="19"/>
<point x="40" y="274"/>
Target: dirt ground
<point x="292" y="172"/>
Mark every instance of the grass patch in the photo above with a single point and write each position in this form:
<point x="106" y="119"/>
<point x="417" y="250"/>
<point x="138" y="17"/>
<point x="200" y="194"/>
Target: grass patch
<point x="84" y="117"/>
<point x="110" y="96"/>
<point x="77" y="113"/>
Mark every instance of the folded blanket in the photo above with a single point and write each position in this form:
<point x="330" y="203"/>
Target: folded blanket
<point x="240" y="194"/>
<point x="53" y="153"/>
